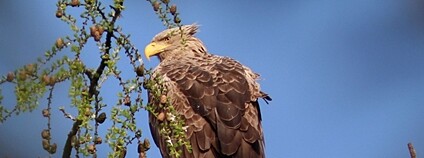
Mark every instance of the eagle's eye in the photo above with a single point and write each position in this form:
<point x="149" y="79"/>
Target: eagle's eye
<point x="166" y="38"/>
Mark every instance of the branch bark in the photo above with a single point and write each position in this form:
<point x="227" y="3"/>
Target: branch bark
<point x="412" y="150"/>
<point x="94" y="80"/>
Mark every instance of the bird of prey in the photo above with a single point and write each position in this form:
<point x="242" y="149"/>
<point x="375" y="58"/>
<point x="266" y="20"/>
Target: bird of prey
<point x="217" y="97"/>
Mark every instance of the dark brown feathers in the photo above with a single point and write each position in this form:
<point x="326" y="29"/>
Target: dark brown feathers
<point x="218" y="98"/>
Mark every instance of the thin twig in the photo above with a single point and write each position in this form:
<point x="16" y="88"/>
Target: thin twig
<point x="49" y="104"/>
<point x="67" y="115"/>
<point x="412" y="150"/>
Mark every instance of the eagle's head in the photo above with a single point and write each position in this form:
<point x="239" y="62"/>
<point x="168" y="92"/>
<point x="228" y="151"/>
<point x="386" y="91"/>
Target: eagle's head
<point x="176" y="42"/>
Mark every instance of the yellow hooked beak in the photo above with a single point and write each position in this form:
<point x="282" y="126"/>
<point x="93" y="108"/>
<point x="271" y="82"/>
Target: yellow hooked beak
<point x="153" y="49"/>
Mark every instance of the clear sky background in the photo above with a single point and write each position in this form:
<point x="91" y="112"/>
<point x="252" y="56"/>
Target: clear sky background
<point x="346" y="76"/>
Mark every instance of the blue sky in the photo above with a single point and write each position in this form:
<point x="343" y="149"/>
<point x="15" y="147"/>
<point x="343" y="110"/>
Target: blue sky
<point x="346" y="76"/>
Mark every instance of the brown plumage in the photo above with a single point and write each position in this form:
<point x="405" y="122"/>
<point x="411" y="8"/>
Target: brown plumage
<point x="216" y="96"/>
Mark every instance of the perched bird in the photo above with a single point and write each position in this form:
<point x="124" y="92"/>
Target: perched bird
<point x="217" y="97"/>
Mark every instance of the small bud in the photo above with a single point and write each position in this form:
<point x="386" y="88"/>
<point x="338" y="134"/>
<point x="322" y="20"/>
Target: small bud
<point x="75" y="3"/>
<point x="53" y="148"/>
<point x="45" y="134"/>
<point x="59" y="43"/>
<point x="46" y="145"/>
<point x="140" y="70"/>
<point x="156" y="6"/>
<point x="97" y="36"/>
<point x="177" y="20"/>
<point x="100" y="29"/>
<point x="93" y="29"/>
<point x="46" y="79"/>
<point x="96" y="31"/>
<point x="101" y="118"/>
<point x="127" y="100"/>
<point x="46" y="113"/>
<point x="52" y="81"/>
<point x="173" y="9"/>
<point x="10" y="77"/>
<point x="98" y="140"/>
<point x="161" y="116"/>
<point x="163" y="99"/>
<point x="91" y="149"/>
<point x="59" y="13"/>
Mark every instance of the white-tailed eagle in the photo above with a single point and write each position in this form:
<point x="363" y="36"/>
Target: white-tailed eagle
<point x="217" y="97"/>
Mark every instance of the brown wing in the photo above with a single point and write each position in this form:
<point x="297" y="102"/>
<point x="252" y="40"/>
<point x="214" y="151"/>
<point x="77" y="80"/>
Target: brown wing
<point x="215" y="97"/>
